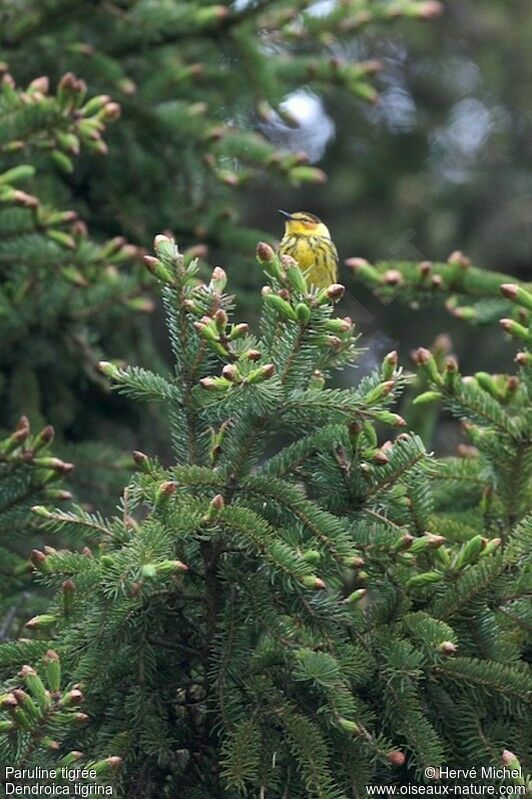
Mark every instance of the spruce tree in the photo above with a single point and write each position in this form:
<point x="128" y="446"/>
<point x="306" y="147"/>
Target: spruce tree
<point x="64" y="296"/>
<point x="201" y="88"/>
<point x="469" y="293"/>
<point x="199" y="92"/>
<point x="29" y="474"/>
<point x="305" y="601"/>
<point x="70" y="293"/>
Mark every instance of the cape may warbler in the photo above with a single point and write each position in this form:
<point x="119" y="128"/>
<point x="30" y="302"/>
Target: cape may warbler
<point x="309" y="242"/>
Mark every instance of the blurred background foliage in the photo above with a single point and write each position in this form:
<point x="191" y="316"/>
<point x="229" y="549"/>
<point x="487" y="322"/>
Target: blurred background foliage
<point x="220" y="101"/>
<point x="443" y="161"/>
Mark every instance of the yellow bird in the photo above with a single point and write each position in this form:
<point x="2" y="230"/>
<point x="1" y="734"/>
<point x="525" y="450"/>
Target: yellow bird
<point x="309" y="242"/>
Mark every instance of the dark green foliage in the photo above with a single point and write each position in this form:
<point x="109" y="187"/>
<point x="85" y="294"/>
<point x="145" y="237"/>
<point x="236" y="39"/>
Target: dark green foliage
<point x="29" y="474"/>
<point x="295" y="607"/>
<point x="470" y="293"/>
<point x="201" y="87"/>
<point x="63" y="296"/>
<point x="37" y="708"/>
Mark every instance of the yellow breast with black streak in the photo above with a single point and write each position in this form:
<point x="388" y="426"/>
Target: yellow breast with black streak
<point x="309" y="242"/>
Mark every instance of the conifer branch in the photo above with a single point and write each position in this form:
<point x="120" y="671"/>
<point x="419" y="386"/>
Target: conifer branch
<point x="273" y="615"/>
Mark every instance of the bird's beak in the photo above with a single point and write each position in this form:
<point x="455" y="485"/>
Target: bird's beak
<point x="285" y="214"/>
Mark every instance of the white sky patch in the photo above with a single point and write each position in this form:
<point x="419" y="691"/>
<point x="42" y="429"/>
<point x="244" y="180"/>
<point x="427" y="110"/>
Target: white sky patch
<point x="322" y="8"/>
<point x="304" y="106"/>
<point x="397" y="109"/>
<point x="240" y="5"/>
<point x="313" y="129"/>
<point x="456" y="147"/>
<point x="469" y="126"/>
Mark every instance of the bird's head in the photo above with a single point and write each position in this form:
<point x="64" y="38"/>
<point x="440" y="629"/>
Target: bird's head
<point x="301" y="223"/>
